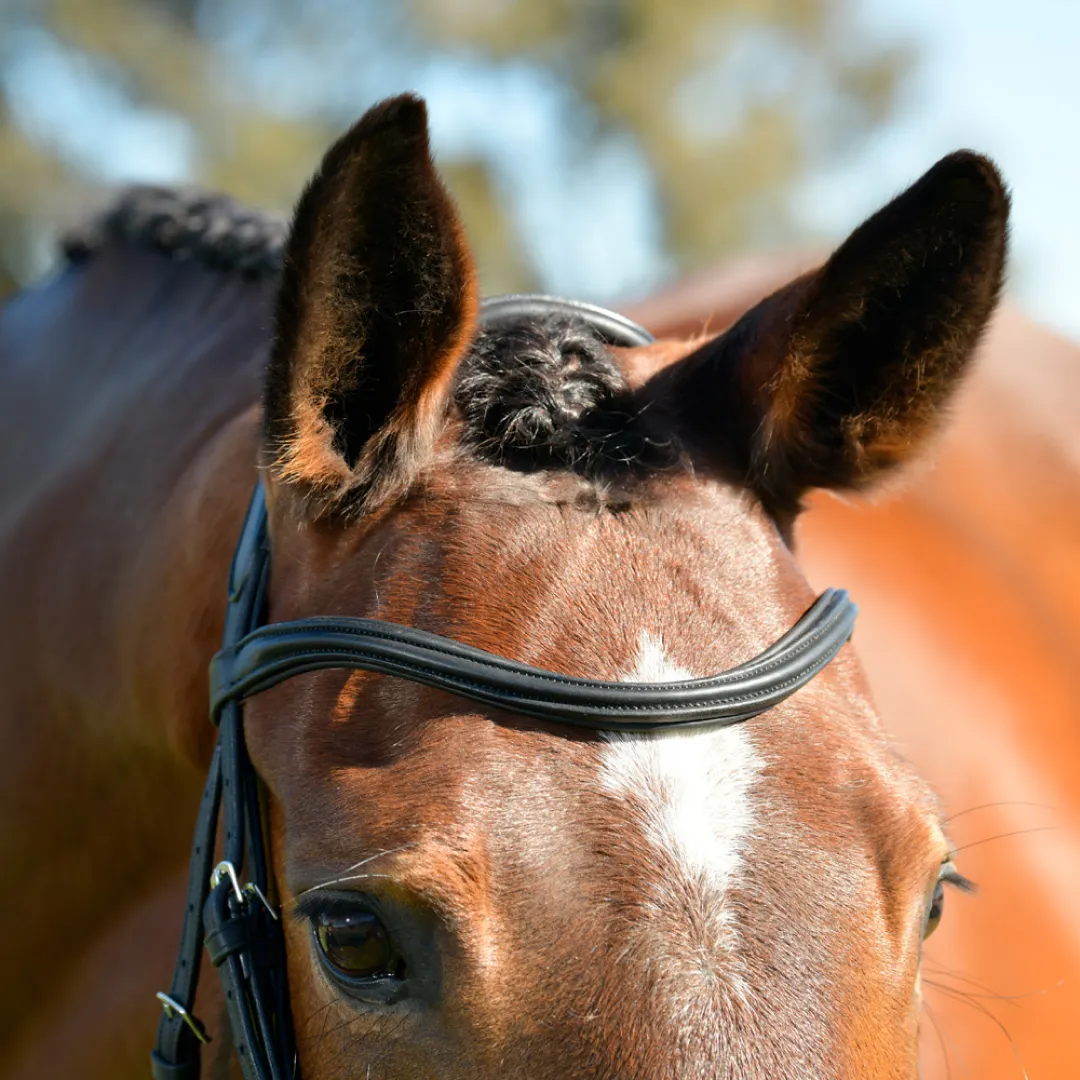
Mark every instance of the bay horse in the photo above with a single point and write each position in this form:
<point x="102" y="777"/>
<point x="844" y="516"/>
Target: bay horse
<point x="464" y="891"/>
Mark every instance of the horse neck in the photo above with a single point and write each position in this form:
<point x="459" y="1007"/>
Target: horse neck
<point x="131" y="419"/>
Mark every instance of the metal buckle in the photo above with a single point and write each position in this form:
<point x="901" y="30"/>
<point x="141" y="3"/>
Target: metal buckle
<point x="225" y="869"/>
<point x="253" y="890"/>
<point x="173" y="1008"/>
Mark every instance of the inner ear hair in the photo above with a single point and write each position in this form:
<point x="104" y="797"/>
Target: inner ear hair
<point x="376" y="306"/>
<point x="839" y="376"/>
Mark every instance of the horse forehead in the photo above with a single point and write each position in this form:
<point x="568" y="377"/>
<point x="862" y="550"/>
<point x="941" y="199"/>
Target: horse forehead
<point x="643" y="862"/>
<point x="642" y="844"/>
<point x="631" y="852"/>
<point x="691" y="792"/>
<point x="475" y="805"/>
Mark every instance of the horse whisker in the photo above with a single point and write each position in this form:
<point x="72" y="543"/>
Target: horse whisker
<point x="356" y="866"/>
<point x="1005" y="835"/>
<point x="960" y="995"/>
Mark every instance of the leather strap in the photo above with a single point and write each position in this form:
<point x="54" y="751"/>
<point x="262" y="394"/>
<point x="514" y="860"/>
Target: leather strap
<point x="242" y="947"/>
<point x="243" y="936"/>
<point x="272" y="654"/>
<point x="513" y="308"/>
<point x="176" y="1056"/>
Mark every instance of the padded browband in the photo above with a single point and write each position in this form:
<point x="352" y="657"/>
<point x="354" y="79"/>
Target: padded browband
<point x="277" y="652"/>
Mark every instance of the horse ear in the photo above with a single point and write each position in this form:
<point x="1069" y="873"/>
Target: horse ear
<point x="377" y="303"/>
<point x="839" y="376"/>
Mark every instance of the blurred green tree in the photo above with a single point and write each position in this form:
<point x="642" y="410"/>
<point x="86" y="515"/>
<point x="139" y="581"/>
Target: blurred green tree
<point x="727" y="103"/>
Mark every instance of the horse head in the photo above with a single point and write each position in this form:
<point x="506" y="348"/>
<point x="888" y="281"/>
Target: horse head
<point x="468" y="892"/>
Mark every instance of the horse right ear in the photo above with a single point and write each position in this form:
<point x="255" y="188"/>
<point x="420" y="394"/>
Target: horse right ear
<point x="376" y="306"/>
<point x="841" y="374"/>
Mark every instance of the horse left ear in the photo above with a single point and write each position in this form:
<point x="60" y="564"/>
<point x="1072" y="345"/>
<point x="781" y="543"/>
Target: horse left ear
<point x="377" y="304"/>
<point x="838" y="376"/>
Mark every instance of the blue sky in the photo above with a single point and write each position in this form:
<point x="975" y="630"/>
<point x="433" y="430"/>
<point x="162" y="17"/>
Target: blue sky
<point x="997" y="76"/>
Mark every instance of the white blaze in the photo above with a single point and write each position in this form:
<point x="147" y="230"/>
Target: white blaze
<point x="695" y="783"/>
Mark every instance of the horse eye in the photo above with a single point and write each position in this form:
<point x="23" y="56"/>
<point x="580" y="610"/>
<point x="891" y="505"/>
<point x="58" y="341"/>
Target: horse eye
<point x="948" y="875"/>
<point x="937" y="907"/>
<point x="357" y="945"/>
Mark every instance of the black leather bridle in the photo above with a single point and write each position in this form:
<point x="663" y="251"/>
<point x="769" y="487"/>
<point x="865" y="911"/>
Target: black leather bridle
<point x="239" y="924"/>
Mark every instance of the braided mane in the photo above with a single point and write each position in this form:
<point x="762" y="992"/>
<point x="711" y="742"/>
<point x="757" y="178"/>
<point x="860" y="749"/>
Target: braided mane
<point x="185" y="223"/>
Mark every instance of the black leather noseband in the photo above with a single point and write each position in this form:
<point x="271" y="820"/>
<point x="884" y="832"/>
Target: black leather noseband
<point x="238" y="924"/>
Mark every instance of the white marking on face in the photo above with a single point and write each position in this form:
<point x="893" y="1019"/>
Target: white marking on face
<point x="695" y="783"/>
